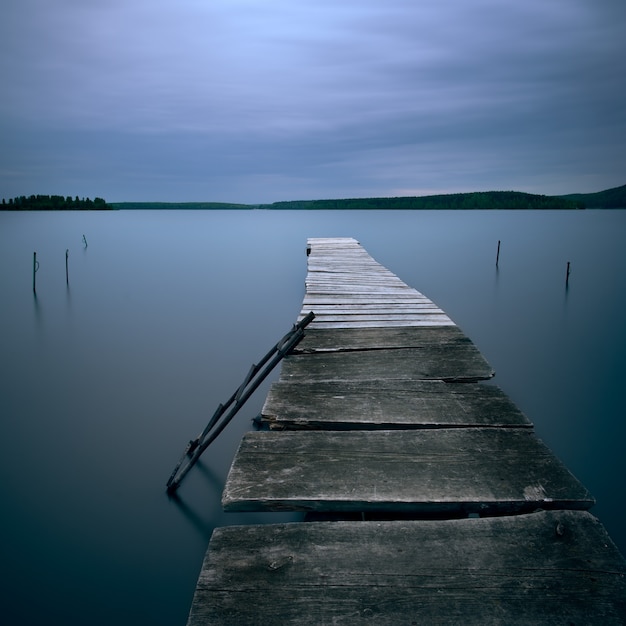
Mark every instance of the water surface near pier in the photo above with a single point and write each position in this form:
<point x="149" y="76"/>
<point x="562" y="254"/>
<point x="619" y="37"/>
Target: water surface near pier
<point x="104" y="380"/>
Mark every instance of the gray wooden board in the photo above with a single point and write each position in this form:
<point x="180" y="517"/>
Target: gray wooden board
<point x="313" y="299"/>
<point x="377" y="307"/>
<point x="355" y="272"/>
<point x="366" y="288"/>
<point x="422" y="321"/>
<point x="363" y="316"/>
<point x="376" y="321"/>
<point x="556" y="567"/>
<point x="388" y="405"/>
<point x="436" y="362"/>
<point x="346" y="339"/>
<point x="444" y="471"/>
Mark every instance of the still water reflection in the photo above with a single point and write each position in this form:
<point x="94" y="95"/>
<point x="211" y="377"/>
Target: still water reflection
<point x="104" y="380"/>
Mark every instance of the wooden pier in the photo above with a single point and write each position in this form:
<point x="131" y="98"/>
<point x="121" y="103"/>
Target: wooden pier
<point x="429" y="498"/>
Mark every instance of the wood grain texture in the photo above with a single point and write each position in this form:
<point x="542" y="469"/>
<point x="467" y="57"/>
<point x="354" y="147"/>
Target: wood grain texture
<point x="543" y="568"/>
<point x="348" y="339"/>
<point x="445" y="472"/>
<point x="387" y="405"/>
<point x="437" y="362"/>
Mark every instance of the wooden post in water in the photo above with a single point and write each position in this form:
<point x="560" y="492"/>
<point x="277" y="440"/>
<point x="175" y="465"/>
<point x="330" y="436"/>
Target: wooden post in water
<point x="35" y="268"/>
<point x="498" y="254"/>
<point x="567" y="275"/>
<point x="67" y="276"/>
<point x="85" y="241"/>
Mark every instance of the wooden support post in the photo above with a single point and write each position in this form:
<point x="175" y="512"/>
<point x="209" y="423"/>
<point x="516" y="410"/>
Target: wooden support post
<point x="498" y="254"/>
<point x="67" y="275"/>
<point x="85" y="241"/>
<point x="567" y="274"/>
<point x="35" y="268"/>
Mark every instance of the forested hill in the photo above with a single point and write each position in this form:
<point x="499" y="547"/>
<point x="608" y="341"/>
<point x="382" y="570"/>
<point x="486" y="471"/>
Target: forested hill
<point x="53" y="203"/>
<point x="609" y="199"/>
<point x="475" y="200"/>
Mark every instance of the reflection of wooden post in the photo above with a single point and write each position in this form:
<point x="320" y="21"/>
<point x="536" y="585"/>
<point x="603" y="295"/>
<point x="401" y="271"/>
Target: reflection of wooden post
<point x="498" y="253"/>
<point x="67" y="276"/>
<point x="35" y="268"/>
<point x="567" y="275"/>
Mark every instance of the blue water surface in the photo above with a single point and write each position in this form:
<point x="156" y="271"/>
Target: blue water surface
<point x="105" y="379"/>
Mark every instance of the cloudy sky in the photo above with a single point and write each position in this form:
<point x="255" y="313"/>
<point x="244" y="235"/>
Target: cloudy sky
<point x="256" y="101"/>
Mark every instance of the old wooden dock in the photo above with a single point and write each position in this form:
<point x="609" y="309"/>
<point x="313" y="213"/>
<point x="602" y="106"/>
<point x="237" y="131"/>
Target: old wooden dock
<point x="429" y="497"/>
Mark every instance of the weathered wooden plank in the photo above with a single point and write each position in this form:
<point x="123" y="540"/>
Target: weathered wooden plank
<point x="358" y="308"/>
<point x="446" y="362"/>
<point x="388" y="405"/>
<point x="371" y="313"/>
<point x="347" y="339"/>
<point x="426" y="472"/>
<point x="413" y="353"/>
<point x="319" y="242"/>
<point x="556" y="567"/>
<point x="347" y="318"/>
<point x="427" y="321"/>
<point x="313" y="301"/>
<point x="358" y="286"/>
<point x="420" y="318"/>
<point x="367" y="302"/>
<point x="334" y="270"/>
<point x="333" y="267"/>
<point x="330" y="298"/>
<point x="337" y="266"/>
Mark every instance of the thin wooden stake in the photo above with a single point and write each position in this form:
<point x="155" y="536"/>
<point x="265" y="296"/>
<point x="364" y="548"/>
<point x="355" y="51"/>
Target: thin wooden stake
<point x="35" y="268"/>
<point x="85" y="241"/>
<point x="567" y="275"/>
<point x="67" y="276"/>
<point x="498" y="254"/>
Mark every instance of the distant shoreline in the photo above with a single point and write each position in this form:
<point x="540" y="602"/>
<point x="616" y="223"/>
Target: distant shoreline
<point x="481" y="200"/>
<point x="487" y="200"/>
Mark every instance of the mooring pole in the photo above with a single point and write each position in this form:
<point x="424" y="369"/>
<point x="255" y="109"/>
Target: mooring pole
<point x="85" y="241"/>
<point x="35" y="268"/>
<point x="567" y="275"/>
<point x="498" y="254"/>
<point x="67" y="276"/>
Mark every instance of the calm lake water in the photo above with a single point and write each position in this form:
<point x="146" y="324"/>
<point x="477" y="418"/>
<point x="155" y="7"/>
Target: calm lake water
<point x="103" y="382"/>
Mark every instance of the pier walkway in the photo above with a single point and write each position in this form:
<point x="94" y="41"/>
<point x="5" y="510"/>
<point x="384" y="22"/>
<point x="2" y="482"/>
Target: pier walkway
<point x="429" y="498"/>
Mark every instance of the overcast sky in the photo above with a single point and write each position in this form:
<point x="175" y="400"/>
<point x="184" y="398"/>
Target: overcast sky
<point x="256" y="101"/>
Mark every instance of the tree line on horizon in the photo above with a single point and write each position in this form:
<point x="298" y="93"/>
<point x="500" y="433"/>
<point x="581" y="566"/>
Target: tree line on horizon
<point x="53" y="203"/>
<point x="607" y="199"/>
<point x="460" y="201"/>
